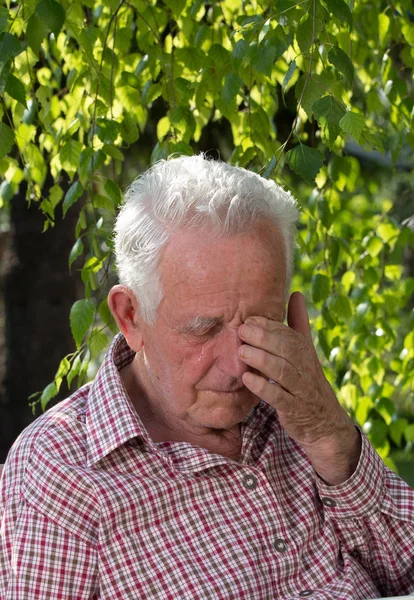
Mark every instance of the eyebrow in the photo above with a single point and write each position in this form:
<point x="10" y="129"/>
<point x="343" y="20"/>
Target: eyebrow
<point x="199" y="323"/>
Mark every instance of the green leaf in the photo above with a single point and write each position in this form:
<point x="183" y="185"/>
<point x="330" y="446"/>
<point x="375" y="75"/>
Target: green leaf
<point x="81" y="318"/>
<point x="340" y="306"/>
<point x="328" y="113"/>
<point x="52" y="14"/>
<point x="72" y="195"/>
<point x="316" y="87"/>
<point x="321" y="287"/>
<point x="106" y="316"/>
<point x="36" y="32"/>
<point x="240" y="51"/>
<point x="74" y="370"/>
<point x="264" y="57"/>
<point x="103" y="202"/>
<point x="113" y="151"/>
<point x="6" y="139"/>
<point x="10" y="47"/>
<point x="352" y="123"/>
<point x="97" y="342"/>
<point x="76" y="251"/>
<point x="304" y="33"/>
<point x="69" y="155"/>
<point x="342" y="62"/>
<point x="288" y="76"/>
<point x="340" y="9"/>
<point x="62" y="371"/>
<point x="113" y="192"/>
<point x="232" y="85"/>
<point x="270" y="167"/>
<point x="48" y="393"/>
<point x="16" y="90"/>
<point x="383" y="29"/>
<point x="4" y="17"/>
<point x="409" y="433"/>
<point x="305" y="161"/>
<point x="176" y="6"/>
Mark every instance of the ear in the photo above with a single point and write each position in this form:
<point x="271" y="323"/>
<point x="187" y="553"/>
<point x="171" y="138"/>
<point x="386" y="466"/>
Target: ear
<point x="125" y="309"/>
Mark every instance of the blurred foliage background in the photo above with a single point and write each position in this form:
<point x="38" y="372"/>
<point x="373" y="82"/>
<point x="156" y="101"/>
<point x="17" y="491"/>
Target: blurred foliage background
<point x="316" y="94"/>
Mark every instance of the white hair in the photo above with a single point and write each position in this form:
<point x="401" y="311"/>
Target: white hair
<point x="193" y="192"/>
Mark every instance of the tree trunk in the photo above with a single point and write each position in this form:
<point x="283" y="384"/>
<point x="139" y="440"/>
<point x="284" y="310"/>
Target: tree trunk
<point x="38" y="292"/>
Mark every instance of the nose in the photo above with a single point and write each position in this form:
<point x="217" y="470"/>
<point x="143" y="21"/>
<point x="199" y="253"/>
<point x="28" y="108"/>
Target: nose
<point x="227" y="353"/>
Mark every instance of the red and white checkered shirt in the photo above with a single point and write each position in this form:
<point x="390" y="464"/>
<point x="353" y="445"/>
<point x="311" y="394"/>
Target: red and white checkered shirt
<point x="91" y="507"/>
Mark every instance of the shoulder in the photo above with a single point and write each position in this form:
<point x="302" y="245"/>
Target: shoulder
<point x="47" y="434"/>
<point x="45" y="467"/>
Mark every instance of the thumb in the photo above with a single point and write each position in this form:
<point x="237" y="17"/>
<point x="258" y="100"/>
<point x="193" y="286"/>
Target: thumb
<point x="298" y="315"/>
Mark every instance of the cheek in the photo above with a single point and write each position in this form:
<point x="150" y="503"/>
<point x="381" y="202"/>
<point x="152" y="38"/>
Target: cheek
<point x="200" y="359"/>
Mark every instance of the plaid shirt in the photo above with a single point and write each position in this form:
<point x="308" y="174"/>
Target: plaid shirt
<point x="92" y="508"/>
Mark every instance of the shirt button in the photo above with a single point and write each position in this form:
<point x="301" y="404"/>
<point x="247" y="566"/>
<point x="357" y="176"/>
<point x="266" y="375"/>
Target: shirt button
<point x="305" y="593"/>
<point x="355" y="554"/>
<point x="329" y="502"/>
<point x="280" y="545"/>
<point x="250" y="482"/>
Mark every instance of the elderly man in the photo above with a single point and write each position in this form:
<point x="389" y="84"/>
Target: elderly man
<point x="209" y="459"/>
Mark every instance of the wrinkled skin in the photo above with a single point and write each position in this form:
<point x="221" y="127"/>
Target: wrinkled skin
<point x="305" y="402"/>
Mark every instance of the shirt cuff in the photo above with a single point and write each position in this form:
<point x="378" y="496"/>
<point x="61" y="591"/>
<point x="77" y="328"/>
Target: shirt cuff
<point x="362" y="493"/>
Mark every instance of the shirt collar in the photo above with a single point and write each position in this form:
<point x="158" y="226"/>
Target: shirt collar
<point x="111" y="419"/>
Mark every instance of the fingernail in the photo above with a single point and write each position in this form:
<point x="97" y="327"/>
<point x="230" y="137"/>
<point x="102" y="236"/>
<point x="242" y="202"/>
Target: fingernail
<point x="246" y="351"/>
<point x="246" y="331"/>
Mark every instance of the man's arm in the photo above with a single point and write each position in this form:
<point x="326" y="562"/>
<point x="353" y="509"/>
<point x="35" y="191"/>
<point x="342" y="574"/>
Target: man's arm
<point x="373" y="515"/>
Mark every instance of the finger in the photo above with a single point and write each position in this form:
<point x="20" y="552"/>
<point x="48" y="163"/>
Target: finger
<point x="271" y="393"/>
<point x="281" y="344"/>
<point x="298" y="315"/>
<point x="273" y="367"/>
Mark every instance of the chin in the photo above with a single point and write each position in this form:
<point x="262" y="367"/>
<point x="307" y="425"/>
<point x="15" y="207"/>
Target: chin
<point x="224" y="410"/>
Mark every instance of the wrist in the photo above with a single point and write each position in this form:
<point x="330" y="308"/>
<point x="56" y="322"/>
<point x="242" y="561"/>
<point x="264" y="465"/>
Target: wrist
<point x="336" y="457"/>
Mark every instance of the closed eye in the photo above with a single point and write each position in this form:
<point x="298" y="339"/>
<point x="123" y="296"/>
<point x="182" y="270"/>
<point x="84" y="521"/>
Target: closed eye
<point x="202" y="326"/>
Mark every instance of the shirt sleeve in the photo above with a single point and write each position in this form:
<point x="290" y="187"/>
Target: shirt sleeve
<point x="372" y="513"/>
<point x="39" y="559"/>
